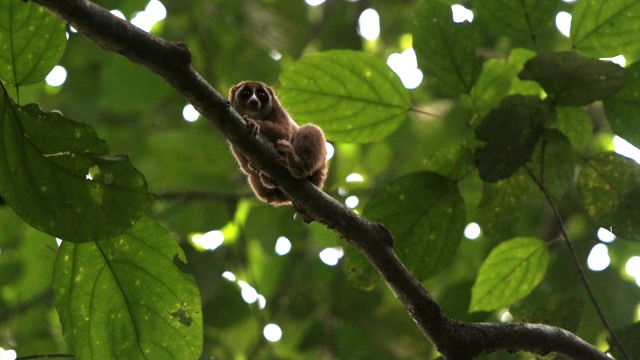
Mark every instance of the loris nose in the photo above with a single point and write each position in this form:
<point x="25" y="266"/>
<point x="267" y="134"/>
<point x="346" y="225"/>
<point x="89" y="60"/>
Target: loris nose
<point x="253" y="103"/>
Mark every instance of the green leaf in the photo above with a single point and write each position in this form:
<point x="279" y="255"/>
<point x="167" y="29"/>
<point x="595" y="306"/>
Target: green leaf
<point x="520" y="20"/>
<point x="510" y="272"/>
<point x="352" y="96"/>
<point x="609" y="186"/>
<point x="575" y="124"/>
<point x="31" y="42"/>
<point x="555" y="161"/>
<point x="557" y="310"/>
<point x="492" y="86"/>
<point x="57" y="175"/>
<point x="622" y="108"/>
<point x="425" y="213"/>
<point x="510" y="133"/>
<point x="125" y="298"/>
<point x="630" y="337"/>
<point x="606" y="28"/>
<point x="446" y="50"/>
<point x="573" y="79"/>
<point x="501" y="205"/>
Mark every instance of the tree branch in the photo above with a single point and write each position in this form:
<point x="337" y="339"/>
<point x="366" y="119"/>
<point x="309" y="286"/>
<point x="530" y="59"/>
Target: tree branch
<point x="172" y="61"/>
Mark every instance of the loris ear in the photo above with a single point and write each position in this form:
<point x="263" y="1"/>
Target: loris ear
<point x="233" y="90"/>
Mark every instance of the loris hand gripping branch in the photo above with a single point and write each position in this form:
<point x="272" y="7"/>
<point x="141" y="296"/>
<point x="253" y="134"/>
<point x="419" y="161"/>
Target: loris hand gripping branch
<point x="303" y="148"/>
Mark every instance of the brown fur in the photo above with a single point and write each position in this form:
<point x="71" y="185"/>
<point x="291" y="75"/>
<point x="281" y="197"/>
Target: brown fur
<point x="303" y="148"/>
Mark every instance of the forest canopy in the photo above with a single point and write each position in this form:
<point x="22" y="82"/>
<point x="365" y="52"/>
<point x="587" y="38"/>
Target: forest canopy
<point x="493" y="143"/>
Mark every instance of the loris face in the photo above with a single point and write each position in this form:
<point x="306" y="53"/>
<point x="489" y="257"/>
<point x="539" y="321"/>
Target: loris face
<point x="253" y="99"/>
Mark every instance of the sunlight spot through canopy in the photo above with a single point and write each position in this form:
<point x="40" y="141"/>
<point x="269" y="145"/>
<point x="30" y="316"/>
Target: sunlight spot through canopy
<point x="283" y="246"/>
<point x="472" y="231"/>
<point x="461" y="13"/>
<point x="624" y="148"/>
<point x="189" y="113"/>
<point x="332" y="255"/>
<point x="563" y="23"/>
<point x="153" y="13"/>
<point x="248" y="293"/>
<point x="57" y="76"/>
<point x="229" y="276"/>
<point x="505" y="316"/>
<point x="620" y="60"/>
<point x="633" y="267"/>
<point x="210" y="240"/>
<point x="314" y="2"/>
<point x="405" y="65"/>
<point x="272" y="332"/>
<point x="605" y="235"/>
<point x="330" y="151"/>
<point x="352" y="201"/>
<point x="369" y="24"/>
<point x="117" y="13"/>
<point x="8" y="354"/>
<point x="355" y="177"/>
<point x="598" y="259"/>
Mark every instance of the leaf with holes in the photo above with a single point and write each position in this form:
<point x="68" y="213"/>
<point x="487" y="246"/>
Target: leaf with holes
<point x="510" y="272"/>
<point x="57" y="175"/>
<point x="425" y="213"/>
<point x="609" y="187"/>
<point x="353" y="96"/>
<point x="32" y="41"/>
<point x="606" y="28"/>
<point x="125" y="298"/>
<point x="446" y="50"/>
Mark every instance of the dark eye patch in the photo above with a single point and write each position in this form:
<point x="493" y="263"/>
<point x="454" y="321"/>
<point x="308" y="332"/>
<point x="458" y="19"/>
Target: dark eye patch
<point x="262" y="95"/>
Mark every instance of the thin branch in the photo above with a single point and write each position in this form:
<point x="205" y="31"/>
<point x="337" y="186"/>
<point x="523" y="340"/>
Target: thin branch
<point x="455" y="340"/>
<point x="576" y="262"/>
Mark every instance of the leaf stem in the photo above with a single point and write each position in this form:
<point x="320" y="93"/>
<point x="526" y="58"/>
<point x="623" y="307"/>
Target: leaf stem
<point x="576" y="261"/>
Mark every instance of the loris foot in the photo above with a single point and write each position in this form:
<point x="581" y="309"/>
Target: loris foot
<point x="289" y="159"/>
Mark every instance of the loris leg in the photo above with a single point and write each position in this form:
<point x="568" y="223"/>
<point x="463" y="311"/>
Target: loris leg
<point x="306" y="153"/>
<point x="272" y="196"/>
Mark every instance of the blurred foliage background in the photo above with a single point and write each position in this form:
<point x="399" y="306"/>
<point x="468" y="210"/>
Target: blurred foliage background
<point x="252" y="278"/>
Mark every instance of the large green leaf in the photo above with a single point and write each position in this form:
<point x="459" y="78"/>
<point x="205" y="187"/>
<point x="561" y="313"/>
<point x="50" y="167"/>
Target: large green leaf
<point x="509" y="273"/>
<point x="31" y="42"/>
<point x="510" y="134"/>
<point x="57" y="175"/>
<point x="446" y="50"/>
<point x="622" y="108"/>
<point x="425" y="213"/>
<point x="125" y="298"/>
<point x="573" y="79"/>
<point x="352" y="96"/>
<point x="609" y="186"/>
<point x="606" y="28"/>
<point x="520" y="20"/>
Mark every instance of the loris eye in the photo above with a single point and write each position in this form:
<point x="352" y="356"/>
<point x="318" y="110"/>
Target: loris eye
<point x="262" y="95"/>
<point x="245" y="93"/>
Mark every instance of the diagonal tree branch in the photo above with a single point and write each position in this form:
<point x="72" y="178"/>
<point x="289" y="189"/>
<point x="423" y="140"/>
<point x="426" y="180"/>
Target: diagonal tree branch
<point x="172" y="61"/>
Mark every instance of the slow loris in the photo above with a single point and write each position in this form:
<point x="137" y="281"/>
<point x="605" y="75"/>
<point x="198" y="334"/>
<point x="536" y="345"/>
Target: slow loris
<point x="303" y="148"/>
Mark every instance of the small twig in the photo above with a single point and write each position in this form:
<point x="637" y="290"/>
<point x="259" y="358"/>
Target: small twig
<point x="576" y="262"/>
<point x="46" y="356"/>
